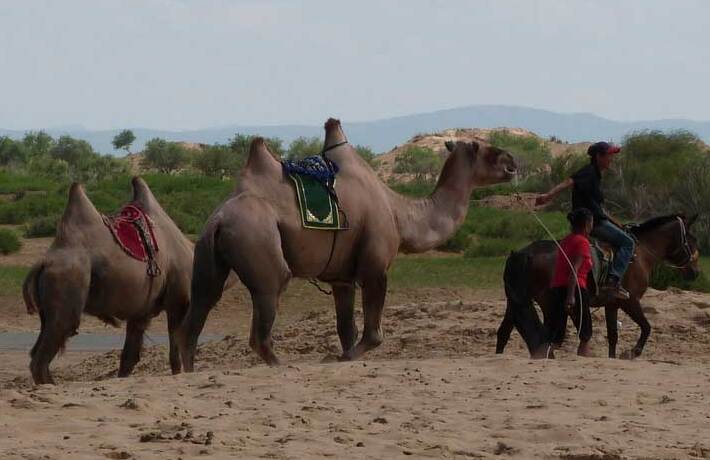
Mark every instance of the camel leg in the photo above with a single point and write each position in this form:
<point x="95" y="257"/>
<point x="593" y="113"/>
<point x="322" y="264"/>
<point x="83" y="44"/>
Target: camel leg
<point x="633" y="309"/>
<point x="52" y="338"/>
<point x="262" y="320"/>
<point x="209" y="276"/>
<point x="62" y="299"/>
<point x="174" y="320"/>
<point x="131" y="354"/>
<point x="374" y="289"/>
<point x="505" y="329"/>
<point x="612" y="329"/>
<point x="344" y="295"/>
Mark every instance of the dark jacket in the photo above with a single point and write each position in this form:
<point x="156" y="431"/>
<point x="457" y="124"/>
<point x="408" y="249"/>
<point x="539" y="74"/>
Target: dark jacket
<point x="587" y="191"/>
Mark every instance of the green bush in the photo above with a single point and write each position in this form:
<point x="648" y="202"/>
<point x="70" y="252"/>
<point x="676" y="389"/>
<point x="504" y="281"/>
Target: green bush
<point x="9" y="241"/>
<point x="42" y="227"/>
<point x="663" y="277"/>
<point x="491" y="247"/>
<point x="423" y="162"/>
<point x="531" y="153"/>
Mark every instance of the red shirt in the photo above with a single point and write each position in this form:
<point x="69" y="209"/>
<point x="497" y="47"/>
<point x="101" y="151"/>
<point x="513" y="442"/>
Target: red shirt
<point x="573" y="245"/>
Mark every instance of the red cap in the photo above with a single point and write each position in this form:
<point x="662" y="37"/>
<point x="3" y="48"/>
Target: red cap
<point x="603" y="148"/>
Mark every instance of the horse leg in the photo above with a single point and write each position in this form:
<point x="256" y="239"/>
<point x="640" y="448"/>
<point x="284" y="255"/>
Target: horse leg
<point x="131" y="354"/>
<point x="374" y="289"/>
<point x="505" y="329"/>
<point x="344" y="295"/>
<point x="612" y="329"/>
<point x="635" y="312"/>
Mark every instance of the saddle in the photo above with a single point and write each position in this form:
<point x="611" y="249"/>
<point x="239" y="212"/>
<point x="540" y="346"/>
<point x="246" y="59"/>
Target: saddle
<point x="602" y="256"/>
<point x="314" y="180"/>
<point x="133" y="231"/>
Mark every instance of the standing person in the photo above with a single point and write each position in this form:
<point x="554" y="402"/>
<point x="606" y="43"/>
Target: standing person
<point x="569" y="293"/>
<point x="587" y="193"/>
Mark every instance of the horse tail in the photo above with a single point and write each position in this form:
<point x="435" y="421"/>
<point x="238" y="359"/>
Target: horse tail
<point x="29" y="289"/>
<point x="520" y="311"/>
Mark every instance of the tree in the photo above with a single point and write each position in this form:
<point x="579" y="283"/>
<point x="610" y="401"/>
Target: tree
<point x="123" y="140"/>
<point x="38" y="143"/>
<point x="76" y="152"/>
<point x="164" y="156"/>
<point x="12" y="152"/>
<point x="240" y="145"/>
<point x="423" y="162"/>
<point x="303" y="147"/>
<point x="217" y="160"/>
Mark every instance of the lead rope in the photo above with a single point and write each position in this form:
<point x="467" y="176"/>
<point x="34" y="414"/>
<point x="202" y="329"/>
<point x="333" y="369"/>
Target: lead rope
<point x="569" y="262"/>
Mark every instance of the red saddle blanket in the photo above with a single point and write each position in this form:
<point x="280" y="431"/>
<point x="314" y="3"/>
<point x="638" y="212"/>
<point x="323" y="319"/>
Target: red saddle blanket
<point x="133" y="231"/>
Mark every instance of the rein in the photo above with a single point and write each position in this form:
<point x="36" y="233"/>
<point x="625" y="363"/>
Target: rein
<point x="685" y="247"/>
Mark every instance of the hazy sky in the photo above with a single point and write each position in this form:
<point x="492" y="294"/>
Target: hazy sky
<point x="178" y="64"/>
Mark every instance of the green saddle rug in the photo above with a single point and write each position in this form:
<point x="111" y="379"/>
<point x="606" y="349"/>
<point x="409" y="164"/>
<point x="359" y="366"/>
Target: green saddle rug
<point x="319" y="209"/>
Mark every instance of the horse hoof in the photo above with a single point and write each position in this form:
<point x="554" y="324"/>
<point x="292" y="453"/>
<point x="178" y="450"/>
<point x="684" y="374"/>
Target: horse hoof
<point x="628" y="354"/>
<point x="330" y="358"/>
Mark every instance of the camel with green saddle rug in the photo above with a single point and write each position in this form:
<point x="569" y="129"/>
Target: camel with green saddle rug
<point x="259" y="233"/>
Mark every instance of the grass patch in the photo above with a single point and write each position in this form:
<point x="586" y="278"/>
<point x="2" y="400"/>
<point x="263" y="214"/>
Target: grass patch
<point x="428" y="272"/>
<point x="11" y="279"/>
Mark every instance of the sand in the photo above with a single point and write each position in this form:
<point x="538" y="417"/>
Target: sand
<point x="434" y="389"/>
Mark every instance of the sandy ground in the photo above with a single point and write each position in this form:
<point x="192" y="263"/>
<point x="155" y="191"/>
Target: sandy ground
<point x="433" y="389"/>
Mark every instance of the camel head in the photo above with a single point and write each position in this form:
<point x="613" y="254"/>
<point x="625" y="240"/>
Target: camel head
<point x="486" y="164"/>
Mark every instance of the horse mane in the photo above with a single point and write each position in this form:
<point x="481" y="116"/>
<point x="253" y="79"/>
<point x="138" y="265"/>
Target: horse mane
<point x="653" y="223"/>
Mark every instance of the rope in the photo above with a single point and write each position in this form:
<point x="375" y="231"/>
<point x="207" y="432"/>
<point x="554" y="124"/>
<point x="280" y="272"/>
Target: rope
<point x="564" y="254"/>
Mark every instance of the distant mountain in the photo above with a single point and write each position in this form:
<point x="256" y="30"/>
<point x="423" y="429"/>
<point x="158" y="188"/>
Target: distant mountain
<point x="383" y="135"/>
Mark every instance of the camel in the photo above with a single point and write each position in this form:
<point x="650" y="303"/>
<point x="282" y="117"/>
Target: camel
<point x="257" y="233"/>
<point x="86" y="271"/>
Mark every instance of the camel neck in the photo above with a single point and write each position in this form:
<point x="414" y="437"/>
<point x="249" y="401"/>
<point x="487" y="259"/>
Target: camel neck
<point x="426" y="223"/>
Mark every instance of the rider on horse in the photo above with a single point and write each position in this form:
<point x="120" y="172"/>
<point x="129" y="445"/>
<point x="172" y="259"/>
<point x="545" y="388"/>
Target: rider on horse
<point x="587" y="193"/>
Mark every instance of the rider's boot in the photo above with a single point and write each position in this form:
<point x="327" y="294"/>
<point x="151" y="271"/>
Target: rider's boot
<point x="614" y="289"/>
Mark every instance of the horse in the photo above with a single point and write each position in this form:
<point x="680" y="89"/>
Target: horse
<point x="528" y="273"/>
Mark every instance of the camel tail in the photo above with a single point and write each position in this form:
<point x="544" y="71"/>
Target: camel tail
<point x="29" y="289"/>
<point x="520" y="311"/>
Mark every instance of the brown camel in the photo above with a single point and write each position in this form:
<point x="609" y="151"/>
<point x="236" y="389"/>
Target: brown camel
<point x="528" y="273"/>
<point x="85" y="270"/>
<point x="257" y="233"/>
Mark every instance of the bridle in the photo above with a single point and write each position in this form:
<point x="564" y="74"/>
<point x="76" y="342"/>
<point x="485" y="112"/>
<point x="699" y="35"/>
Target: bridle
<point x="689" y="255"/>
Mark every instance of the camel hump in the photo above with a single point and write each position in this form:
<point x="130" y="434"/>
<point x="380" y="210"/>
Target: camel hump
<point x="260" y="160"/>
<point x="79" y="210"/>
<point x="334" y="134"/>
<point x="143" y="195"/>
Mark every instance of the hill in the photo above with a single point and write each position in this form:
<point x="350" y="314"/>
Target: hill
<point x="435" y="141"/>
<point x="384" y="134"/>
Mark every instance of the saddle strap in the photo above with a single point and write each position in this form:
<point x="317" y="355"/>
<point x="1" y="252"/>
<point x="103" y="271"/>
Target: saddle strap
<point x="153" y="269"/>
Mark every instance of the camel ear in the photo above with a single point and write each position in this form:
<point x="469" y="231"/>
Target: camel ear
<point x="450" y="145"/>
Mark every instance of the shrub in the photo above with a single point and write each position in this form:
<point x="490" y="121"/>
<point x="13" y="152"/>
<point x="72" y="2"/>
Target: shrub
<point x="303" y="147"/>
<point x="663" y="277"/>
<point x="165" y="156"/>
<point x="423" y="162"/>
<point x="9" y="241"/>
<point x="42" y="227"/>
<point x="531" y="153"/>
<point x="491" y="247"/>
